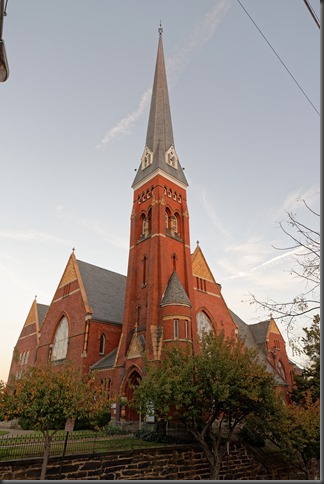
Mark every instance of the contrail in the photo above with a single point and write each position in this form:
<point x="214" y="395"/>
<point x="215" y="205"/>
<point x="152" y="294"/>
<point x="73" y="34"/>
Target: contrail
<point x="203" y="32"/>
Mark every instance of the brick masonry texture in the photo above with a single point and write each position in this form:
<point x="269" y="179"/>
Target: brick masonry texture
<point x="167" y="463"/>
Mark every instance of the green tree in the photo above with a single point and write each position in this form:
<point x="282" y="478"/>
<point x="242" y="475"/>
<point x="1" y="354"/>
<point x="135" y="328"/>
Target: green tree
<point x="46" y="397"/>
<point x="295" y="429"/>
<point x="210" y="392"/>
<point x="308" y="382"/>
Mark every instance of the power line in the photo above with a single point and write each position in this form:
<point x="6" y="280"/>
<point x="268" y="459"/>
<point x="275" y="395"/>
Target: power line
<point x="277" y="55"/>
<point x="313" y="14"/>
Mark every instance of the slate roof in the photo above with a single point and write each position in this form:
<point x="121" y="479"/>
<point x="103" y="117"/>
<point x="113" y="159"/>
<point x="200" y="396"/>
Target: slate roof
<point x="105" y="291"/>
<point x="107" y="361"/>
<point x="174" y="292"/>
<point x="259" y="331"/>
<point x="159" y="136"/>
<point x="246" y="334"/>
<point x="41" y="311"/>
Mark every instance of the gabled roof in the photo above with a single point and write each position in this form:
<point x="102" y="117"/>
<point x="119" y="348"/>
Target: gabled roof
<point x="260" y="331"/>
<point x="200" y="267"/>
<point x="246" y="334"/>
<point x="35" y="317"/>
<point x="174" y="293"/>
<point x="159" y="136"/>
<point x="105" y="291"/>
<point x="41" y="311"/>
<point x="107" y="361"/>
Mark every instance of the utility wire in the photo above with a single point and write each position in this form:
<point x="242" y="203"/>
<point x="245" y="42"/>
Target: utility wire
<point x="282" y="62"/>
<point x="313" y="14"/>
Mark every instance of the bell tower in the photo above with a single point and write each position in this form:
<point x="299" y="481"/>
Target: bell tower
<point x="159" y="301"/>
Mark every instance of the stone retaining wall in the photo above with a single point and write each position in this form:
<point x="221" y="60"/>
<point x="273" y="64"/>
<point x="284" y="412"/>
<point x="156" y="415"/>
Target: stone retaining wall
<point x="176" y="463"/>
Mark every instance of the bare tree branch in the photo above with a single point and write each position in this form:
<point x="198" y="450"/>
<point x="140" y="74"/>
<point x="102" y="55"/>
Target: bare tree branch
<point x="306" y="244"/>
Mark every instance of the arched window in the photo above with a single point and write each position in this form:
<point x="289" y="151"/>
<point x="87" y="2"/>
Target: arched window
<point x="177" y="225"/>
<point x="143" y="219"/>
<point x="106" y="384"/>
<point x="61" y="338"/>
<point x="174" y="223"/>
<point x="102" y="344"/>
<point x="149" y="221"/>
<point x="167" y="218"/>
<point x="281" y="370"/>
<point x="204" y="324"/>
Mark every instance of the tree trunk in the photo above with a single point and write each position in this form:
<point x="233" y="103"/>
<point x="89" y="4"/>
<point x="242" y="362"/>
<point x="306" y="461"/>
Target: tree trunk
<point x="214" y="469"/>
<point x="47" y="446"/>
<point x="214" y="455"/>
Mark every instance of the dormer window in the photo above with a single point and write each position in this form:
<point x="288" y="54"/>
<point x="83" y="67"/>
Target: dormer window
<point x="171" y="157"/>
<point x="147" y="158"/>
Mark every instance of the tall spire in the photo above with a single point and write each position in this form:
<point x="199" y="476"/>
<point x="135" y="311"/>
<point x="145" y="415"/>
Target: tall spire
<point x="159" y="152"/>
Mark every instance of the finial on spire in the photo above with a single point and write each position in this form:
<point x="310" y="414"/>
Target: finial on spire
<point x="197" y="242"/>
<point x="160" y="29"/>
<point x="73" y="249"/>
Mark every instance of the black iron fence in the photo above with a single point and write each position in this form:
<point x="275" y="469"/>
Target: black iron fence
<point x="26" y="446"/>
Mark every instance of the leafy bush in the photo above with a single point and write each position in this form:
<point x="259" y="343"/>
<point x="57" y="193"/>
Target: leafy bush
<point x="97" y="421"/>
<point x="114" y="430"/>
<point x="151" y="436"/>
<point x="26" y="423"/>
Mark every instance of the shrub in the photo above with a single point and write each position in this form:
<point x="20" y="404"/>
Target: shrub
<point x="151" y="436"/>
<point x="114" y="430"/>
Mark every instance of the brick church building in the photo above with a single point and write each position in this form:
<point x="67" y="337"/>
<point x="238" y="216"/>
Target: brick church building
<point x="103" y="321"/>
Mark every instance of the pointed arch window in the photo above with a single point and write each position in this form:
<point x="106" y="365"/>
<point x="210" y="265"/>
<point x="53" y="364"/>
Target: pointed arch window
<point x="147" y="158"/>
<point x="204" y="324"/>
<point x="143" y="224"/>
<point x="102" y="343"/>
<point x="149" y="221"/>
<point x="144" y="271"/>
<point x="171" y="157"/>
<point x="167" y="218"/>
<point x="281" y="370"/>
<point x="61" y="338"/>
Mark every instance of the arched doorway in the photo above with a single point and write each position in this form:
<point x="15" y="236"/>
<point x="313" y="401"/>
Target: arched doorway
<point x="131" y="415"/>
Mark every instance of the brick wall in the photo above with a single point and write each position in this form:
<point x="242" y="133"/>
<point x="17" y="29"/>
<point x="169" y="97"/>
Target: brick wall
<point x="176" y="463"/>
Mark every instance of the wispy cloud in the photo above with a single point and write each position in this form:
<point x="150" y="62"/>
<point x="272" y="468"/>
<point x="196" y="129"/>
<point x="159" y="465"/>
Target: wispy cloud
<point x="175" y="65"/>
<point x="202" y="33"/>
<point x="212" y="213"/>
<point x="95" y="227"/>
<point x="293" y="201"/>
<point x="259" y="267"/>
<point x="125" y="125"/>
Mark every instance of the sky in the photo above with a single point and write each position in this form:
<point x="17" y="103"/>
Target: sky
<point x="73" y="121"/>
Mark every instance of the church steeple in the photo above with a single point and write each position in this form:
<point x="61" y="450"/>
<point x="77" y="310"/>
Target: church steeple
<point x="159" y="153"/>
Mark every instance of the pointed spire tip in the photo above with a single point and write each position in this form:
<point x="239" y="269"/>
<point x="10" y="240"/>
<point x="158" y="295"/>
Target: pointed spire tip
<point x="160" y="29"/>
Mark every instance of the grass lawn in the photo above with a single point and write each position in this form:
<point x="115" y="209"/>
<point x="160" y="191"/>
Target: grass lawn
<point x="4" y="432"/>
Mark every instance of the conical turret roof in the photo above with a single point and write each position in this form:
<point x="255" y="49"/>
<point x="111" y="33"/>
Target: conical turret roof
<point x="175" y="293"/>
<point x="159" y="152"/>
